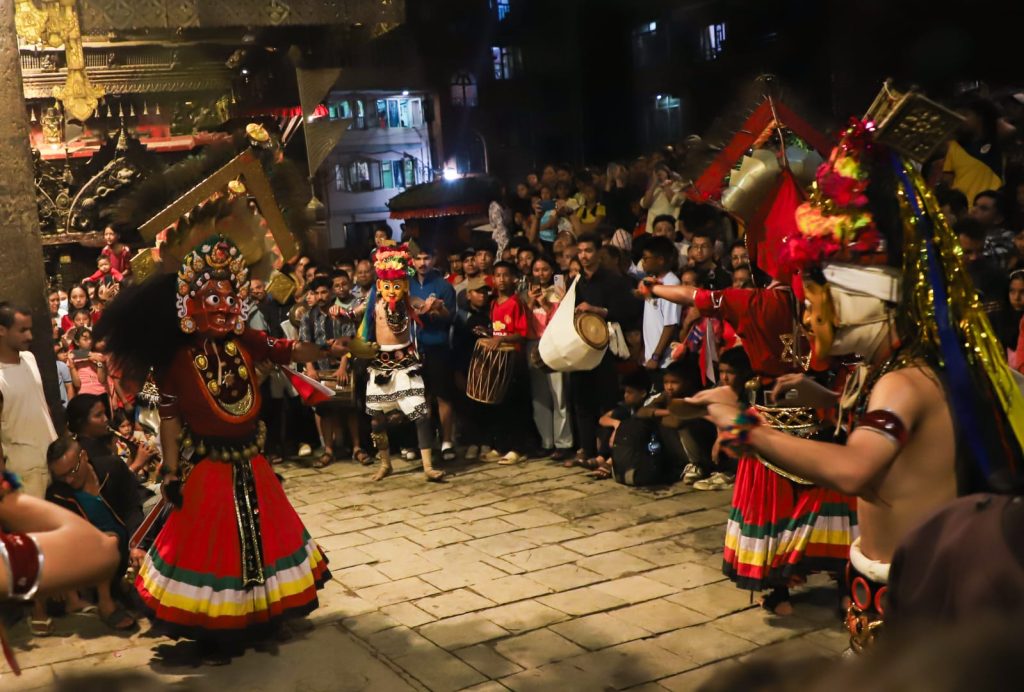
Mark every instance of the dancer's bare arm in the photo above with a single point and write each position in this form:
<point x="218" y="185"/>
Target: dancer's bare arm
<point x="75" y="553"/>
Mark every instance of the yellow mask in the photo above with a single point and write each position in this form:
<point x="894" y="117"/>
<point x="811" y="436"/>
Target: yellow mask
<point x="820" y="320"/>
<point x="393" y="291"/>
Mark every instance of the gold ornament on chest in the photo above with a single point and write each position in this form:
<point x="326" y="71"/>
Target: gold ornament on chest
<point x="226" y="378"/>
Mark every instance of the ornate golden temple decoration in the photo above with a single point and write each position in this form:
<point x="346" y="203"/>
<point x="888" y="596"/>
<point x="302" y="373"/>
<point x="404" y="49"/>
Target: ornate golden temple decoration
<point x="55" y="24"/>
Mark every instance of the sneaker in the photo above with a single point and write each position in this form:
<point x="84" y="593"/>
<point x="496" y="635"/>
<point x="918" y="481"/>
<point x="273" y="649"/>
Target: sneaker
<point x="472" y="452"/>
<point x="716" y="481"/>
<point x="690" y="474"/>
<point x="410" y="454"/>
<point x="490" y="455"/>
<point x="511" y="458"/>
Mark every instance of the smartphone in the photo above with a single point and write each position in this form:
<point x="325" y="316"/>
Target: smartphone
<point x="80" y="354"/>
<point x="560" y="280"/>
<point x="547" y="205"/>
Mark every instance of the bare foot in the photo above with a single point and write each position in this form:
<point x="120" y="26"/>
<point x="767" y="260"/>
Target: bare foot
<point x="382" y="473"/>
<point x="433" y="476"/>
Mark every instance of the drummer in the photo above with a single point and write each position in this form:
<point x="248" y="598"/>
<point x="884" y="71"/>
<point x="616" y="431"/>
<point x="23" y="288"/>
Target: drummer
<point x="510" y="422"/>
<point x="472" y="323"/>
<point x="609" y="296"/>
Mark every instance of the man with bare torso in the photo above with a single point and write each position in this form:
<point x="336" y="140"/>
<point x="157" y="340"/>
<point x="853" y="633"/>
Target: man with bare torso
<point x="899" y="460"/>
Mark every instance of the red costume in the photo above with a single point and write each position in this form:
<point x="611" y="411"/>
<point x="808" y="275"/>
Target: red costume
<point x="777" y="528"/>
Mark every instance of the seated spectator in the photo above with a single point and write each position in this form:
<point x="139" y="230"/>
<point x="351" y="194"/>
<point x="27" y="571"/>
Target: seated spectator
<point x="88" y="421"/>
<point x="734" y="371"/>
<point x="635" y="388"/>
<point x="688" y="443"/>
<point x="102" y="491"/>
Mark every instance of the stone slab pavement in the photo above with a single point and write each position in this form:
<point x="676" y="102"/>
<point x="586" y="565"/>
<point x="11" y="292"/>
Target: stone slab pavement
<point x="532" y="577"/>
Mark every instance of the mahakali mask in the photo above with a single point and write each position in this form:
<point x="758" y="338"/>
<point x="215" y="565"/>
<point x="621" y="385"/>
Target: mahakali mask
<point x="209" y="282"/>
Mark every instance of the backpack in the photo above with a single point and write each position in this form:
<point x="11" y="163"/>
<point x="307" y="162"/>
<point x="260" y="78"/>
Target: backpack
<point x="635" y="460"/>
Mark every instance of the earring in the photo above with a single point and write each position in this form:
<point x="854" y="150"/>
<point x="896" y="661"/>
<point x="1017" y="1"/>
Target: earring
<point x="188" y="325"/>
<point x="239" y="326"/>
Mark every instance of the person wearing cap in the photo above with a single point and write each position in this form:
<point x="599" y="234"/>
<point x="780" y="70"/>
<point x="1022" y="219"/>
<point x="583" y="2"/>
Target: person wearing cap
<point x="432" y="338"/>
<point x="472" y="322"/>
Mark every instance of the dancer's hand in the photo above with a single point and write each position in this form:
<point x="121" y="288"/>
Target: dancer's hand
<point x="722" y="403"/>
<point x="800" y="390"/>
<point x="339" y="347"/>
<point x="490" y="343"/>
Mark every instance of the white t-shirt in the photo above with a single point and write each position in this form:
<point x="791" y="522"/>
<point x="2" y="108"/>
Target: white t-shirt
<point x="25" y="428"/>
<point x="658" y="314"/>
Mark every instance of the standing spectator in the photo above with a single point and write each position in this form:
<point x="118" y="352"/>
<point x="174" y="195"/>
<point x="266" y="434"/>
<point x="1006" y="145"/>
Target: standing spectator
<point x="591" y="213"/>
<point x="508" y="422"/>
<point x="53" y="301"/>
<point x="455" y="275"/>
<point x="364" y="278"/>
<point x="610" y="297"/>
<point x="486" y="250"/>
<point x="78" y="299"/>
<point x="116" y="251"/>
<point x="661" y="317"/>
<point x="437" y="310"/>
<point x="472" y="322"/>
<point x="320" y="328"/>
<point x="664" y="226"/>
<point x="663" y="196"/>
<point x="550" y="405"/>
<point x="67" y="383"/>
<point x="990" y="211"/>
<point x="89" y="365"/>
<point x="953" y="204"/>
<point x="702" y="254"/>
<point x="524" y="267"/>
<point x="469" y="272"/>
<point x="985" y="272"/>
<point x="974" y="160"/>
<point x="618" y="195"/>
<point x="25" y="426"/>
<point x="381" y="235"/>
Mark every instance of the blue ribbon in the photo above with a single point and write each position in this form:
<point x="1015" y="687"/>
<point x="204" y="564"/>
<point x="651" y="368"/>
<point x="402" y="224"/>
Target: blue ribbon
<point x="963" y="395"/>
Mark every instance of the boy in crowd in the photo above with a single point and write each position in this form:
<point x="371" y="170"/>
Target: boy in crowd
<point x="472" y="322"/>
<point x="509" y="422"/>
<point x="636" y="386"/>
<point x="661" y="317"/>
<point x="320" y="328"/>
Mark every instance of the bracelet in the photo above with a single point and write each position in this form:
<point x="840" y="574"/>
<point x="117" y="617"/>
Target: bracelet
<point x="735" y="439"/>
<point x="24" y="561"/>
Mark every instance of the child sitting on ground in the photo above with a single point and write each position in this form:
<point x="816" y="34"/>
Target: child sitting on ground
<point x="636" y="387"/>
<point x="733" y="371"/>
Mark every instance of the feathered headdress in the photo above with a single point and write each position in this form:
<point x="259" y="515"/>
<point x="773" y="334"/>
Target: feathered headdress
<point x="870" y="206"/>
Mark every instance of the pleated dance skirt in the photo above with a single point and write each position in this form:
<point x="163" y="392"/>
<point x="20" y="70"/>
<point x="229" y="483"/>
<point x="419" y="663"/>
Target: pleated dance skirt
<point x="192" y="581"/>
<point x="778" y="529"/>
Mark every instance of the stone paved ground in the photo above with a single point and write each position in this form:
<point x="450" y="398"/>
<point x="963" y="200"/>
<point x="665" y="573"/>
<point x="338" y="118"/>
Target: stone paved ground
<point x="525" y="578"/>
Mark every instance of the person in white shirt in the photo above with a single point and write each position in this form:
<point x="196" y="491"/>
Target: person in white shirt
<point x="661" y="317"/>
<point x="25" y="426"/>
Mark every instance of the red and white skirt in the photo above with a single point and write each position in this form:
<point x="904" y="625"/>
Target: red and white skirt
<point x="220" y="567"/>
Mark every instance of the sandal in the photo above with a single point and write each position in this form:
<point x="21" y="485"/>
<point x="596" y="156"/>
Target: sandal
<point x="88" y="609"/>
<point x="41" y="628"/>
<point x="577" y="460"/>
<point x="325" y="459"/>
<point x="449" y="454"/>
<point x="601" y="473"/>
<point x="559" y="455"/>
<point x="362" y="456"/>
<point x="591" y="464"/>
<point x="116" y="619"/>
